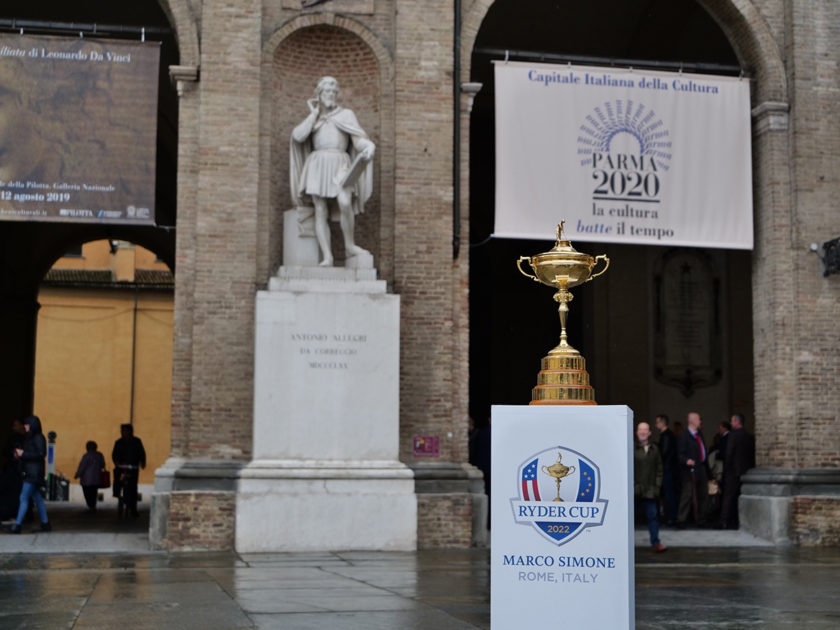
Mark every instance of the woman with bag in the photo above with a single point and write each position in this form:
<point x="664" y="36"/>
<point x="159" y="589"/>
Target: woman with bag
<point x="90" y="475"/>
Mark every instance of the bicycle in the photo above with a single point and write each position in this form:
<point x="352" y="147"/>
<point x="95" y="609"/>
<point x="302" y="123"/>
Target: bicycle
<point x="127" y="478"/>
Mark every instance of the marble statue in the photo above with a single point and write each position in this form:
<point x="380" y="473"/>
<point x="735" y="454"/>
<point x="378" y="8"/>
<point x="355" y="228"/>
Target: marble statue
<point x="331" y="158"/>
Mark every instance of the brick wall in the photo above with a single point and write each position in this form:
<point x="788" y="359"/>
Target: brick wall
<point x="224" y="265"/>
<point x="791" y="47"/>
<point x="259" y="62"/>
<point x="424" y="277"/>
<point x="815" y="521"/>
<point x="201" y="520"/>
<point x="815" y="108"/>
<point x="184" y="270"/>
<point x="444" y="520"/>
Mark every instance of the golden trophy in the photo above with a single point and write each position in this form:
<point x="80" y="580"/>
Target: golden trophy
<point x="563" y="379"/>
<point x="558" y="471"/>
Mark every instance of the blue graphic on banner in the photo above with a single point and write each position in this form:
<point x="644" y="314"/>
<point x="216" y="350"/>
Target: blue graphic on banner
<point x="641" y="132"/>
<point x="559" y="494"/>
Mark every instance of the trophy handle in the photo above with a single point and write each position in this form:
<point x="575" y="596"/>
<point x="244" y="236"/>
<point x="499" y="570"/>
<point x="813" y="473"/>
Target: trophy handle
<point x="519" y="266"/>
<point x="606" y="266"/>
<point x="572" y="468"/>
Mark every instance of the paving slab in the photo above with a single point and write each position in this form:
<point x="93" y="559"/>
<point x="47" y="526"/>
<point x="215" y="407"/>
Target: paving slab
<point x="728" y="585"/>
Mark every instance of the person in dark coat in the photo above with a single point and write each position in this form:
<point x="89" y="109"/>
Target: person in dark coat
<point x="129" y="457"/>
<point x="739" y="458"/>
<point x="32" y="456"/>
<point x="691" y="455"/>
<point x="647" y="481"/>
<point x="670" y="468"/>
<point x="89" y="474"/>
<point x="10" y="481"/>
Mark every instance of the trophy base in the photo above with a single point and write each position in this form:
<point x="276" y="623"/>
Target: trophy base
<point x="563" y="379"/>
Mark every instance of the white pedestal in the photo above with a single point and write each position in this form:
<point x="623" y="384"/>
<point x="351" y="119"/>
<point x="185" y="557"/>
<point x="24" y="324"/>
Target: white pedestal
<point x="565" y="563"/>
<point x="299" y="245"/>
<point x="325" y="473"/>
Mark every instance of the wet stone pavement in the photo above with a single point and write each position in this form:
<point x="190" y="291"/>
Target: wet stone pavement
<point x="64" y="580"/>
<point x="439" y="590"/>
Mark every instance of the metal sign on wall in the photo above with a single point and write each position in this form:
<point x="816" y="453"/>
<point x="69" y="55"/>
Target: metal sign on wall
<point x="78" y="129"/>
<point x="624" y="155"/>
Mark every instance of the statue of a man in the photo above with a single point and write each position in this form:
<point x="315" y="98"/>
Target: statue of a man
<point x="331" y="158"/>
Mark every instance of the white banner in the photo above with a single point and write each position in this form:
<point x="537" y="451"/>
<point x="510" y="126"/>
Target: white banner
<point x="623" y="155"/>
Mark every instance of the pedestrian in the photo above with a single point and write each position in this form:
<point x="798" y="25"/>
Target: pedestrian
<point x="670" y="468"/>
<point x="10" y="482"/>
<point x="89" y="474"/>
<point x="129" y="457"/>
<point x="691" y="454"/>
<point x="32" y="454"/>
<point x="647" y="477"/>
<point x="740" y="457"/>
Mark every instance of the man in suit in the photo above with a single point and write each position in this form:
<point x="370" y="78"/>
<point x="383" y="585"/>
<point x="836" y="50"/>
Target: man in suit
<point x="738" y="459"/>
<point x="691" y="456"/>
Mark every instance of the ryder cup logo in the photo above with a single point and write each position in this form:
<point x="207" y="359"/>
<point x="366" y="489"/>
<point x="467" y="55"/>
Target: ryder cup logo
<point x="559" y="494"/>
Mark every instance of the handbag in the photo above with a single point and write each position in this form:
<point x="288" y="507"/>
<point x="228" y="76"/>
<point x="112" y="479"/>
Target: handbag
<point x="105" y="479"/>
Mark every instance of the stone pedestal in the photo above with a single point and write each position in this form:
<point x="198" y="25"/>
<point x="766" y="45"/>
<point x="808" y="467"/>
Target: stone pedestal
<point x="325" y="473"/>
<point x="299" y="244"/>
<point x="300" y="249"/>
<point x="791" y="505"/>
<point x="192" y="504"/>
<point x="561" y="552"/>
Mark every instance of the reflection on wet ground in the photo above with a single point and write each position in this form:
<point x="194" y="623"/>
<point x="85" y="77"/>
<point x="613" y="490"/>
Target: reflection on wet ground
<point x="95" y="571"/>
<point x="757" y="587"/>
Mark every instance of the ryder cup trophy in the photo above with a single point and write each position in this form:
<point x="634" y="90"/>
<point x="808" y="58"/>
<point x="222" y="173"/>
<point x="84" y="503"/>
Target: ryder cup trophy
<point x="563" y="379"/>
<point x="558" y="470"/>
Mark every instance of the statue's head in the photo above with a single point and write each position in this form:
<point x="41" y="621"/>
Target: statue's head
<point x="327" y="91"/>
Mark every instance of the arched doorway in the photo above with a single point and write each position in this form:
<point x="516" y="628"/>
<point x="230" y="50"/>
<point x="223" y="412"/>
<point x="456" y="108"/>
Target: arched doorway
<point x="613" y="321"/>
<point x="104" y="353"/>
<point x="29" y="248"/>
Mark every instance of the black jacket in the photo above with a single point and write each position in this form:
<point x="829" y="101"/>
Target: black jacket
<point x="687" y="448"/>
<point x="129" y="450"/>
<point x="740" y="454"/>
<point x="34" y="452"/>
<point x="668" y="449"/>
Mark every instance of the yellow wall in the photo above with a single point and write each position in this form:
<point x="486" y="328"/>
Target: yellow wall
<point x="97" y="255"/>
<point x="83" y="371"/>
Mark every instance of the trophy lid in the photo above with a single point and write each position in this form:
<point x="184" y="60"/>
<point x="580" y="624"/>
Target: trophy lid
<point x="563" y="248"/>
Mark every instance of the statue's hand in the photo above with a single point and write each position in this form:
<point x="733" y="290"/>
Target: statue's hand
<point x="368" y="151"/>
<point x="313" y="106"/>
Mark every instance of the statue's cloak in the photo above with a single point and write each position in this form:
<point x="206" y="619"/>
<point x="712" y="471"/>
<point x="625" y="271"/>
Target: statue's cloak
<point x="345" y="120"/>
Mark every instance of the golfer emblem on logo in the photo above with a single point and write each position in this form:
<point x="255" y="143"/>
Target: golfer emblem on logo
<point x="559" y="494"/>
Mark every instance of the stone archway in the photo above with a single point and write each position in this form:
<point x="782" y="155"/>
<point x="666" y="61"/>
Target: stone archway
<point x="754" y="34"/>
<point x="104" y="350"/>
<point x="181" y="16"/>
<point x="744" y="26"/>
<point x="29" y="247"/>
<point x="697" y="40"/>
